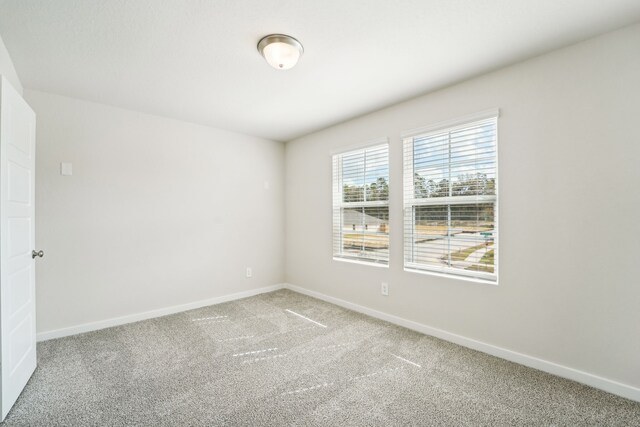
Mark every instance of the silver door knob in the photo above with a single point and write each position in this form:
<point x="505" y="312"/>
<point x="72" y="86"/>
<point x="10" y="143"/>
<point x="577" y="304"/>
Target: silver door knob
<point x="35" y="254"/>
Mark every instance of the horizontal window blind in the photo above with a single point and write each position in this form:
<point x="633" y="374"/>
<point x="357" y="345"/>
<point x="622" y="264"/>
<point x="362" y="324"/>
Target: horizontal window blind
<point x="450" y="200"/>
<point x="361" y="204"/>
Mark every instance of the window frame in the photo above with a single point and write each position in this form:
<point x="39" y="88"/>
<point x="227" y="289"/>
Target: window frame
<point x="409" y="203"/>
<point x="339" y="203"/>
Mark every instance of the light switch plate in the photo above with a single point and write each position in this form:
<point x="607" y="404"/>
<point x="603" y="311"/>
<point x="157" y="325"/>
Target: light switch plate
<point x="66" y="169"/>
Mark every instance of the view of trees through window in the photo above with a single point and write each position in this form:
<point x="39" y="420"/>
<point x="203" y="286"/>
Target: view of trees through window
<point x="377" y="190"/>
<point x="450" y="215"/>
<point x="361" y="204"/>
<point x="464" y="185"/>
<point x="450" y="200"/>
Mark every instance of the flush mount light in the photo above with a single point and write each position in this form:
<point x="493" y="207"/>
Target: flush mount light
<point x="281" y="51"/>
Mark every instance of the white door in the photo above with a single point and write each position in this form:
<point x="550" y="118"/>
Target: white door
<point x="17" y="233"/>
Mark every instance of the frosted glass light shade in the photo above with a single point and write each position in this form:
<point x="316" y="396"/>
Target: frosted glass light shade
<point x="281" y="51"/>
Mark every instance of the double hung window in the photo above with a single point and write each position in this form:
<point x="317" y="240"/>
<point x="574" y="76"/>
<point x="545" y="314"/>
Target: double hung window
<point x="450" y="200"/>
<point x="361" y="204"/>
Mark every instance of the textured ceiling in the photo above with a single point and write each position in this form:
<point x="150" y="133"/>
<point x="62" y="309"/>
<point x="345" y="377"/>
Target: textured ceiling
<point x="196" y="60"/>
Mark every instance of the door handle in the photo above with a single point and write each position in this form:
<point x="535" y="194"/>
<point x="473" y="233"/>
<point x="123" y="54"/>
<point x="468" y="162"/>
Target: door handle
<point x="35" y="254"/>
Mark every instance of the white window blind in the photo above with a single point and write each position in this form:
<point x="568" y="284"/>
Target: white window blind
<point x="450" y="200"/>
<point x="361" y="204"/>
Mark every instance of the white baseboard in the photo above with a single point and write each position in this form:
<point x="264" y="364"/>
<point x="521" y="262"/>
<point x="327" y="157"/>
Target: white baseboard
<point x="116" y="321"/>
<point x="614" y="387"/>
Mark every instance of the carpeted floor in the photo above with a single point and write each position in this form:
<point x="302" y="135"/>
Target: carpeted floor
<point x="286" y="359"/>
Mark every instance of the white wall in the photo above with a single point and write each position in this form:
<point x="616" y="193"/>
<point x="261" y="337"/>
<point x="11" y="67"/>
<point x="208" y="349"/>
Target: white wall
<point x="157" y="212"/>
<point x="569" y="154"/>
<point x="7" y="69"/>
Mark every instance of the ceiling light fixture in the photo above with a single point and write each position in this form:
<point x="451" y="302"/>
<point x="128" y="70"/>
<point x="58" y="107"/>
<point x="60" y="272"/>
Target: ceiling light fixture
<point x="281" y="51"/>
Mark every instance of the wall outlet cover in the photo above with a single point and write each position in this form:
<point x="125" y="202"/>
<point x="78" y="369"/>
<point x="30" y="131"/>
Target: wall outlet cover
<point x="66" y="169"/>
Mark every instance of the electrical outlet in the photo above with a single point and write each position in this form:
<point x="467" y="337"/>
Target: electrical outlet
<point x="384" y="288"/>
<point x="249" y="272"/>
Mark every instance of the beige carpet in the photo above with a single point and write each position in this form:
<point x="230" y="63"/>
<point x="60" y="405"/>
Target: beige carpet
<point x="286" y="359"/>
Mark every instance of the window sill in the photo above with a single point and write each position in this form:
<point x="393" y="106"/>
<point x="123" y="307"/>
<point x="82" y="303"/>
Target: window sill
<point x="362" y="262"/>
<point x="452" y="276"/>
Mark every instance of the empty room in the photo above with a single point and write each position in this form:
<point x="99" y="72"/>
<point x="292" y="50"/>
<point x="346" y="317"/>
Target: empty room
<point x="319" y="213"/>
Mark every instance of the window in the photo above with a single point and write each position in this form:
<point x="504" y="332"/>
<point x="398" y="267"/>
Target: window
<point x="361" y="204"/>
<point x="450" y="199"/>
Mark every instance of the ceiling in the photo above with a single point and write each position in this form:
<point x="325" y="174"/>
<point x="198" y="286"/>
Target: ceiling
<point x="196" y="60"/>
